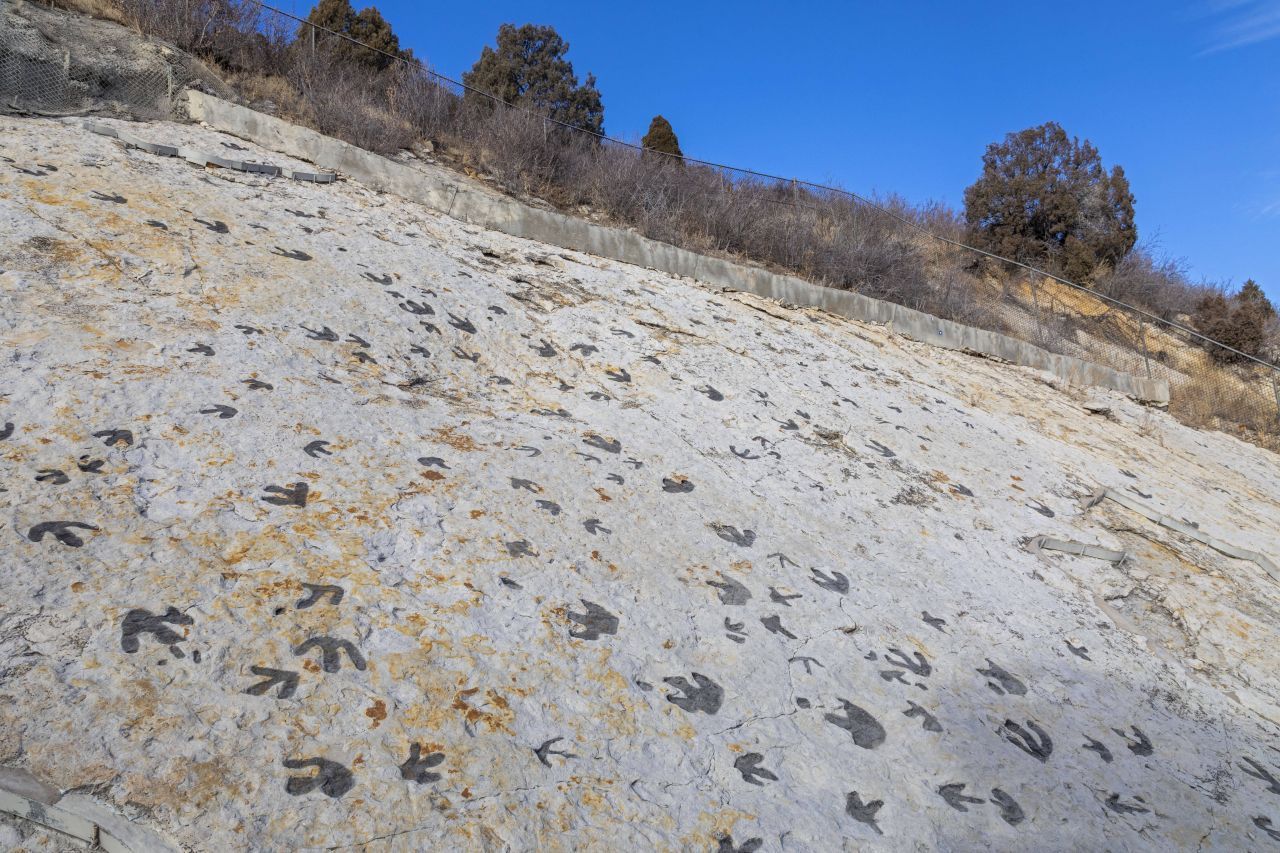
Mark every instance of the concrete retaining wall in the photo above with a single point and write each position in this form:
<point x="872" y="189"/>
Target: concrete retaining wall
<point x="462" y="201"/>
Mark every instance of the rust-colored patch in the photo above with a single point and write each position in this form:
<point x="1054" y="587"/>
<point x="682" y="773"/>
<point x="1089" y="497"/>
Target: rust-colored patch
<point x="477" y="513"/>
<point x="78" y="586"/>
<point x="498" y="720"/>
<point x="604" y="496"/>
<point x="310" y="665"/>
<point x="432" y="475"/>
<point x="376" y="712"/>
<point x="465" y="443"/>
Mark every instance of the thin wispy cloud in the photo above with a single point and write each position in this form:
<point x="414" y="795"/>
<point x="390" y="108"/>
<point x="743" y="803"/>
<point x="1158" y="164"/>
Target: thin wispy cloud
<point x="1240" y="23"/>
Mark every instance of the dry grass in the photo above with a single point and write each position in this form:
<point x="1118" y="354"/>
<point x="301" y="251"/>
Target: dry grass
<point x="109" y="10"/>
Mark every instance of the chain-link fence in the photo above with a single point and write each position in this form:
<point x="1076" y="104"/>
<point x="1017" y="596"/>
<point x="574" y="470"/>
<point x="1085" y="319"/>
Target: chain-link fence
<point x="388" y="102"/>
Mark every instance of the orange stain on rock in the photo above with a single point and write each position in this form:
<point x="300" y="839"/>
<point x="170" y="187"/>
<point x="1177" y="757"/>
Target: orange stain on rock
<point x="465" y="443"/>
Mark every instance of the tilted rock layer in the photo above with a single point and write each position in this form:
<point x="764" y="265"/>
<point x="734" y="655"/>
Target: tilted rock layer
<point x="330" y="521"/>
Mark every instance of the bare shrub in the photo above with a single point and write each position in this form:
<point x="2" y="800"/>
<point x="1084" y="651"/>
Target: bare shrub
<point x="1152" y="282"/>
<point x="349" y="101"/>
<point x="216" y="29"/>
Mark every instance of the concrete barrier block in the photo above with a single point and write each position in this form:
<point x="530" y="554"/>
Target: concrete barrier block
<point x="116" y="833"/>
<point x="100" y="129"/>
<point x="51" y="816"/>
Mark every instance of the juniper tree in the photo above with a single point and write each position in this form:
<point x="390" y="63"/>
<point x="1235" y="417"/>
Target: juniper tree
<point x="366" y="26"/>
<point x="1241" y="322"/>
<point x="528" y="68"/>
<point x="1045" y="198"/>
<point x="662" y="138"/>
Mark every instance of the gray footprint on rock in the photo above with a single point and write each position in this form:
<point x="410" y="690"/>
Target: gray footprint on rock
<point x="112" y="437"/>
<point x="607" y="445"/>
<point x="929" y="721"/>
<point x="1010" y="812"/>
<point x="748" y="764"/>
<point x="417" y="767"/>
<point x="317" y="448"/>
<point x="835" y="582"/>
<point x="595" y="622"/>
<point x="706" y="696"/>
<point x="679" y="486"/>
<point x="1035" y="742"/>
<point x="330" y="647"/>
<point x="865" y="729"/>
<point x="545" y="750"/>
<point x="287" y="680"/>
<point x="594" y="526"/>
<point x="295" y="494"/>
<point x="1116" y="805"/>
<point x="954" y="794"/>
<point x="729" y="533"/>
<point x="331" y="778"/>
<point x="63" y="531"/>
<point x="1007" y="682"/>
<point x="731" y="592"/>
<point x="1139" y="744"/>
<point x="862" y="812"/>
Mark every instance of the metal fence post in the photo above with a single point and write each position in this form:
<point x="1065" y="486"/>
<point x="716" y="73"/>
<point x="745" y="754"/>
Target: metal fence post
<point x="1035" y="299"/>
<point x="1142" y="328"/>
<point x="1275" y="390"/>
<point x="793" y="222"/>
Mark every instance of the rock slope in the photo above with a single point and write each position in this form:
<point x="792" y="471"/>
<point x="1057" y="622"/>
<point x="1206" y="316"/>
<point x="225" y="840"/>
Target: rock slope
<point x="330" y="522"/>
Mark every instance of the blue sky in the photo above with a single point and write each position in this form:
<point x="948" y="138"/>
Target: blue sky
<point x="904" y="96"/>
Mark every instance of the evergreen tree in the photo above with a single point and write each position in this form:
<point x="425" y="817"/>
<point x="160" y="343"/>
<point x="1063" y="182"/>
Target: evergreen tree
<point x="1240" y="322"/>
<point x="1251" y="295"/>
<point x="1046" y="198"/>
<point x="662" y="138"/>
<point x="366" y="26"/>
<point x="529" y="69"/>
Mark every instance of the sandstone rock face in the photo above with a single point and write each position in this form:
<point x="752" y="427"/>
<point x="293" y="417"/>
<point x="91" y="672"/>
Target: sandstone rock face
<point x="330" y="522"/>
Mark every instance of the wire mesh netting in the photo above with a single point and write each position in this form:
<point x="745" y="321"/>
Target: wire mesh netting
<point x="57" y="64"/>
<point x="387" y="102"/>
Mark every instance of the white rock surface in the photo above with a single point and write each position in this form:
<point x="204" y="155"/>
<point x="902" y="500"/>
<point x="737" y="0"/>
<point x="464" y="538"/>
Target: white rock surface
<point x="623" y="563"/>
